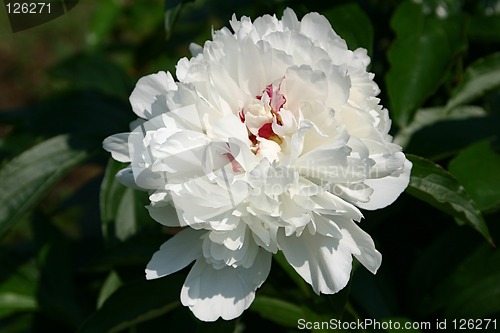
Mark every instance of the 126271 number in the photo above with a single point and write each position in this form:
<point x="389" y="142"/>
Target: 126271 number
<point x="474" y="324"/>
<point x="28" y="8"/>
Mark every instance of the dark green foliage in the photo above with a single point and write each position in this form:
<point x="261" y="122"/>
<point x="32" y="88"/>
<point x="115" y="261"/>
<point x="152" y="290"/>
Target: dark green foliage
<point x="75" y="242"/>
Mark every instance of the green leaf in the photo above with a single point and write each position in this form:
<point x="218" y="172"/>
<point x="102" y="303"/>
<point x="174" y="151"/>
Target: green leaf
<point x="430" y="116"/>
<point x="481" y="76"/>
<point x="431" y="183"/>
<point x="110" y="285"/>
<point x="57" y="292"/>
<point x="477" y="168"/>
<point x="172" y="11"/>
<point x="25" y="179"/>
<point x="102" y="22"/>
<point x="356" y="35"/>
<point x="485" y="28"/>
<point x="429" y="270"/>
<point x="18" y="323"/>
<point x="445" y="139"/>
<point x="472" y="289"/>
<point x="420" y="57"/>
<point x="382" y="296"/>
<point x="92" y="71"/>
<point x="133" y="303"/>
<point x="278" y="311"/>
<point x="82" y="112"/>
<point x="17" y="291"/>
<point x="117" y="203"/>
<point x="290" y="271"/>
<point x="219" y="326"/>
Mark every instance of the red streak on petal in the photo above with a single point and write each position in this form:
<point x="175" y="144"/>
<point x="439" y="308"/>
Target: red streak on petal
<point x="242" y="115"/>
<point x="253" y="138"/>
<point x="277" y="100"/>
<point x="266" y="131"/>
<point x="269" y="90"/>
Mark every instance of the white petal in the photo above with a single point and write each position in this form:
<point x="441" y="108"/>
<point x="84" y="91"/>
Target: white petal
<point x="166" y="214"/>
<point x="126" y="177"/>
<point x="339" y="83"/>
<point x="195" y="49"/>
<point x="367" y="255"/>
<point x="303" y="84"/>
<point x="146" y="91"/>
<point x="175" y="254"/>
<point x="224" y="86"/>
<point x="387" y="189"/>
<point x="317" y="27"/>
<point x="323" y="262"/>
<point x="268" y="149"/>
<point x="117" y="145"/>
<point x="227" y="127"/>
<point x="299" y="47"/>
<point x="290" y="19"/>
<point x="212" y="293"/>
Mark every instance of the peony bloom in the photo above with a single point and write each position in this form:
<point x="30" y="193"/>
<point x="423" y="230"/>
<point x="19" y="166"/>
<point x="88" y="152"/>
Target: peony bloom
<point x="271" y="140"/>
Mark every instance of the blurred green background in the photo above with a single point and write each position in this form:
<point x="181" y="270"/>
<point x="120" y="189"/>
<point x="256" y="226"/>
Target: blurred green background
<point x="74" y="243"/>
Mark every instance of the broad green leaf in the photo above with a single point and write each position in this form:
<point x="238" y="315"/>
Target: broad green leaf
<point x="134" y="251"/>
<point x="17" y="291"/>
<point x="472" y="289"/>
<point x="111" y="193"/>
<point x="84" y="112"/>
<point x="278" y="311"/>
<point x="356" y="35"/>
<point x="290" y="271"/>
<point x="382" y="299"/>
<point x="22" y="322"/>
<point x="219" y="326"/>
<point x="444" y="139"/>
<point x="25" y="179"/>
<point x="57" y="292"/>
<point x="118" y="213"/>
<point x="110" y="285"/>
<point x="481" y="76"/>
<point x="434" y="263"/>
<point x="431" y="183"/>
<point x="92" y="71"/>
<point x="133" y="303"/>
<point x="429" y="116"/>
<point x="126" y="222"/>
<point x="172" y="11"/>
<point x="102" y="21"/>
<point x="485" y="28"/>
<point x="477" y="168"/>
<point x="420" y="56"/>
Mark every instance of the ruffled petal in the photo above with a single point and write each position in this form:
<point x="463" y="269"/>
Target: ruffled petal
<point x="147" y="90"/>
<point x="367" y="255"/>
<point x="387" y="189"/>
<point x="213" y="293"/>
<point x="323" y="262"/>
<point x="117" y="145"/>
<point x="175" y="254"/>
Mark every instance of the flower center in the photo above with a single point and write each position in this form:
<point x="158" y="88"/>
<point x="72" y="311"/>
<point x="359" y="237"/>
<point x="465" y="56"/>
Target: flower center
<point x="261" y="114"/>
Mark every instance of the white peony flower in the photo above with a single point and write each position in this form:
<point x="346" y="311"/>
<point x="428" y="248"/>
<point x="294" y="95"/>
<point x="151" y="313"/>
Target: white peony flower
<point x="271" y="140"/>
